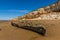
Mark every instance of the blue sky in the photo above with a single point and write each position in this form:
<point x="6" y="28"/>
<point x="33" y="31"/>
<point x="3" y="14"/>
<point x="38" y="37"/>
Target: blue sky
<point x="14" y="8"/>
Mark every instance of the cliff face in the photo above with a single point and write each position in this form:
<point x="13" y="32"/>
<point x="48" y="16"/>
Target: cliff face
<point x="48" y="12"/>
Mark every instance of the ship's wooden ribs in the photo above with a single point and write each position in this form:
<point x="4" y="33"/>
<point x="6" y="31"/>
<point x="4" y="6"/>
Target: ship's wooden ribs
<point x="39" y="30"/>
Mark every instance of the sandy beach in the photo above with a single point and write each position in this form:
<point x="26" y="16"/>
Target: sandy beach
<point x="9" y="32"/>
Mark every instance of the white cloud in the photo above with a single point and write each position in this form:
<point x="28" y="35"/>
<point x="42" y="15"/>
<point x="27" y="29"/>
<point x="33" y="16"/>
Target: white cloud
<point x="21" y="11"/>
<point x="7" y="14"/>
<point x="13" y="11"/>
<point x="25" y="11"/>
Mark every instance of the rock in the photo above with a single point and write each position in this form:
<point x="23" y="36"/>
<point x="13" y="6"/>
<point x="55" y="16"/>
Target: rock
<point x="39" y="30"/>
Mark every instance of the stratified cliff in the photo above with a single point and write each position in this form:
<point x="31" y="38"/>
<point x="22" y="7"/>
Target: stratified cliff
<point x="49" y="12"/>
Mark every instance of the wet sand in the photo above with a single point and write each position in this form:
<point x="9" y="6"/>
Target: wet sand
<point x="8" y="32"/>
